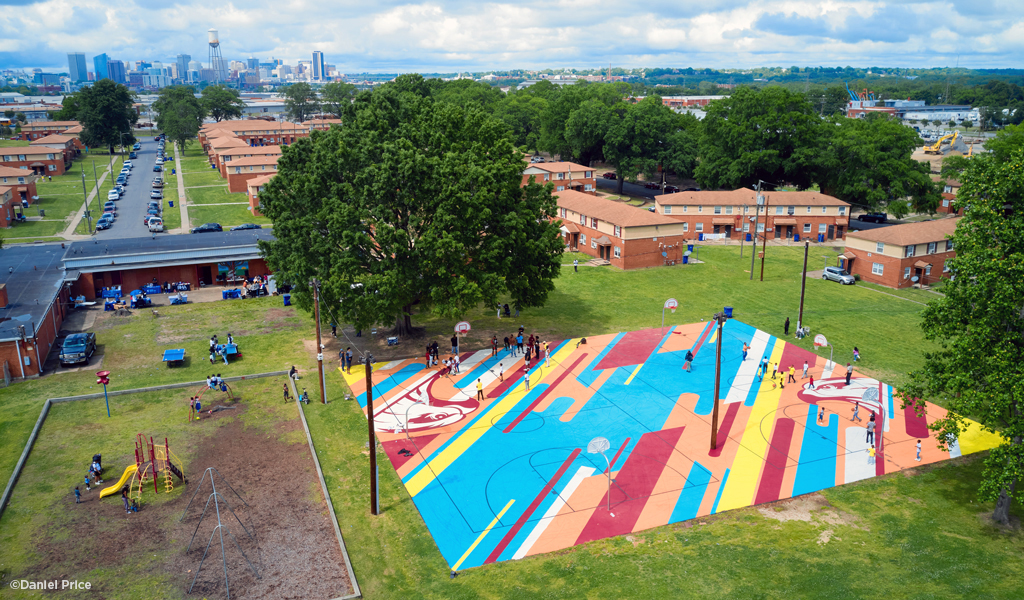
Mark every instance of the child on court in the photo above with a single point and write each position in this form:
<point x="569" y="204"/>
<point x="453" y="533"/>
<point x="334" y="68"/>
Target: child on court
<point x="501" y="372"/>
<point x="918" y="459"/>
<point x="821" y="415"/>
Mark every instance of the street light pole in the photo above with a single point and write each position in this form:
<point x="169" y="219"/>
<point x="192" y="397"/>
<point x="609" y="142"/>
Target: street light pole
<point x="319" y="344"/>
<point x="85" y="196"/>
<point x="374" y="499"/>
<point x="764" y="242"/>
<point x="803" y="286"/>
<point x="757" y="213"/>
<point x="720" y="317"/>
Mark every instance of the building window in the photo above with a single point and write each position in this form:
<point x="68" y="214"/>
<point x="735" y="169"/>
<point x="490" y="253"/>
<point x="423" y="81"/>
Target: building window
<point x="618" y="231"/>
<point x="718" y="210"/>
<point x="760" y="227"/>
<point x="948" y="189"/>
<point x="583" y="220"/>
<point x="906" y="273"/>
<point x="945" y="203"/>
<point x="932" y="246"/>
<point x="949" y="245"/>
<point x="698" y="227"/>
<point x="593" y="223"/>
<point x="667" y="210"/>
<point x="909" y="251"/>
<point x="728" y="210"/>
<point x="879" y="247"/>
<point x="779" y="209"/>
<point x="686" y="226"/>
<point x="618" y="252"/>
<point x="808" y="210"/>
<point x="563" y="212"/>
<point x="745" y="209"/>
<point x="583" y="239"/>
<point x="822" y="228"/>
<point x="877" y="268"/>
<point x="560" y="188"/>
<point x="945" y="266"/>
<point x="807" y="227"/>
<point x="546" y="177"/>
<point x="928" y="271"/>
<point x="790" y="210"/>
<point x="593" y="244"/>
<point x="53" y="167"/>
<point x="561" y="176"/>
<point x="684" y="209"/>
<point x="21" y="157"/>
<point x="700" y="209"/>
<point x="746" y="227"/>
<point x="588" y="187"/>
<point x="590" y="174"/>
<point x="842" y="210"/>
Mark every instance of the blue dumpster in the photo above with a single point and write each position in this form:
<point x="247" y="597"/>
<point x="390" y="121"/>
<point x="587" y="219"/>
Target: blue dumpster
<point x="700" y="237"/>
<point x="686" y="259"/>
<point x="689" y="247"/>
<point x="728" y="312"/>
<point x="170" y="203"/>
<point x="173" y="171"/>
<point x="287" y="299"/>
<point x="821" y="237"/>
<point x="748" y="237"/>
<point x="796" y="237"/>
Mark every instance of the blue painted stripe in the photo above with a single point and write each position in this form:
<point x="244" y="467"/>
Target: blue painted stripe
<point x="590" y="374"/>
<point x="892" y="406"/>
<point x="483" y="367"/>
<point x="393" y="381"/>
<point x="718" y="497"/>
<point x="816" y="469"/>
<point x="688" y="504"/>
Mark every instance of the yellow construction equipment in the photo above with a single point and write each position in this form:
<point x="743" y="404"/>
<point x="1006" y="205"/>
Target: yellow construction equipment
<point x="936" y="148"/>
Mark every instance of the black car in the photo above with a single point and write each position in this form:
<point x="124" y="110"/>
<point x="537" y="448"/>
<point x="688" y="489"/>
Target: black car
<point x="77" y="348"/>
<point x="873" y="217"/>
<point x="246" y="226"/>
<point x="671" y="189"/>
<point x="207" y="228"/>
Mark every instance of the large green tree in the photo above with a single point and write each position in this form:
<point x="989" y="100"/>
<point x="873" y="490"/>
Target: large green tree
<point x="638" y="139"/>
<point x="179" y="114"/>
<point x="300" y="101"/>
<point x="770" y="134"/>
<point x="222" y="102"/>
<point x="410" y="201"/>
<point x="587" y="127"/>
<point x="979" y="325"/>
<point x="106" y="113"/>
<point x="336" y="96"/>
<point x="1007" y="142"/>
<point x="867" y="162"/>
<point x="522" y="112"/>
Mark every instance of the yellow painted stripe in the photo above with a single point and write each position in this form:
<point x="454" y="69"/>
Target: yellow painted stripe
<point x="714" y="336"/>
<point x="633" y="374"/>
<point x="743" y="476"/>
<point x="482" y="535"/>
<point x="358" y="375"/>
<point x="469" y="436"/>
<point x="975" y="439"/>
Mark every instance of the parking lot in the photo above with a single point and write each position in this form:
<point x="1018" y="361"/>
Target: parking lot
<point x="132" y="205"/>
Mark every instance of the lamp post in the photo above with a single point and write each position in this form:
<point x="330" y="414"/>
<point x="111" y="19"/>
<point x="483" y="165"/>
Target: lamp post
<point x="85" y="194"/>
<point x="720" y="317"/>
<point x="757" y="213"/>
<point x="104" y="378"/>
<point x="597" y="446"/>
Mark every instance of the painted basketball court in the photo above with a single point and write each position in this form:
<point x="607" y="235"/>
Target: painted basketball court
<point x="510" y="476"/>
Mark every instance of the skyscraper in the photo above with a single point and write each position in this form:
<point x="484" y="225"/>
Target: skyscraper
<point x="253" y="64"/>
<point x="116" y="72"/>
<point x="183" y="60"/>
<point x="99" y="64"/>
<point x="319" y="73"/>
<point x="76" y="67"/>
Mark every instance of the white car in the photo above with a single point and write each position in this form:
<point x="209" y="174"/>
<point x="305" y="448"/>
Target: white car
<point x="128" y="164"/>
<point x="113" y="195"/>
<point x="155" y="224"/>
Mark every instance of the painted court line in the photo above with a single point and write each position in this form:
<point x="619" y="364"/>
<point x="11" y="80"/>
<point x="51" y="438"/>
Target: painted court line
<point x="541" y="396"/>
<point x="748" y="369"/>
<point x="482" y="535"/>
<point x="581" y="474"/>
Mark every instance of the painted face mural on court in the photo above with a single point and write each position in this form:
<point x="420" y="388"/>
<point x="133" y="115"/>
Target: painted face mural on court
<point x="836" y="389"/>
<point x="391" y="417"/>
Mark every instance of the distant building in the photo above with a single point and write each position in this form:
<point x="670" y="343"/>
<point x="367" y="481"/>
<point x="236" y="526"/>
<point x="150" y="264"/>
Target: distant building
<point x="319" y="70"/>
<point x="950" y="187"/>
<point x="116" y="71"/>
<point x="563" y="176"/>
<point x="33" y="304"/>
<point x="99" y="63"/>
<point x="46" y="79"/>
<point x="901" y="256"/>
<point x="182" y="61"/>
<point x="77" y="71"/>
<point x="253" y="64"/>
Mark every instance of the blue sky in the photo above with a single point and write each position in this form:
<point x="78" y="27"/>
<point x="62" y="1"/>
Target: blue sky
<point x="390" y="35"/>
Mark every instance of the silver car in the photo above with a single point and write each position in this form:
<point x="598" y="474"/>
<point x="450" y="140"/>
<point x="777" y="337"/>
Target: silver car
<point x="838" y="274"/>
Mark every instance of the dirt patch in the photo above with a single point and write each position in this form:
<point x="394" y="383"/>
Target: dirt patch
<point x="812" y="508"/>
<point x="824" y="537"/>
<point x="294" y="547"/>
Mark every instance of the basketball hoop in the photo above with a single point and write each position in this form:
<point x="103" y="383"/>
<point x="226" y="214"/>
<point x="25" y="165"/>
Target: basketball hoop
<point x="671" y="304"/>
<point x="819" y="340"/>
<point x="462" y="328"/>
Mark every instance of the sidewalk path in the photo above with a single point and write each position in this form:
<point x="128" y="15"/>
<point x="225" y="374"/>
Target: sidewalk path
<point x="69" y="232"/>
<point x="185" y="225"/>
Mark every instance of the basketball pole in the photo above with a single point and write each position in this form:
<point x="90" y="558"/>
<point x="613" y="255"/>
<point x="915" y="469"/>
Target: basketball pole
<point x="319" y="344"/>
<point x="374" y="500"/>
<point x="720" y="317"/>
<point x="803" y="286"/>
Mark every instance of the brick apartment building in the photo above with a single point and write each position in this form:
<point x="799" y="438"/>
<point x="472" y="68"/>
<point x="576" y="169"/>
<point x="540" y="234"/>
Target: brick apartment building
<point x="40" y="159"/>
<point x="242" y="170"/>
<point x="254" y="132"/>
<point x="950" y="187"/>
<point x="33" y="304"/>
<point x="41" y="129"/>
<point x="626" y="236"/>
<point x="893" y="256"/>
<point x="23" y="182"/>
<point x="563" y="175"/>
<point x="64" y="143"/>
<point x="253" y="189"/>
<point x="223" y="157"/>
<point x="7" y="205"/>
<point x="730" y="214"/>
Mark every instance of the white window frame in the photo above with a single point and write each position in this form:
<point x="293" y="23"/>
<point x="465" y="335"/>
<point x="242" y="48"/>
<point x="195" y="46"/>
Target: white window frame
<point x="617" y="252"/>
<point x="593" y="244"/>
<point x="686" y="226"/>
<point x="718" y="210"/>
<point x="949" y="245"/>
<point x="700" y="209"/>
<point x="560" y="176"/>
<point x="618" y="231"/>
<point x="909" y="251"/>
<point x="590" y="174"/>
<point x="932" y="247"/>
<point x="808" y="210"/>
<point x="583" y="220"/>
<point x="906" y="273"/>
<point x="728" y="210"/>
<point x="667" y="210"/>
<point x="699" y="227"/>
<point x="563" y="212"/>
<point x="842" y="211"/>
<point x="588" y="187"/>
<point x="822" y="228"/>
<point x="791" y="210"/>
<point x="684" y="209"/>
<point x="780" y="210"/>
<point x="760" y="227"/>
<point x="53" y="167"/>
<point x="928" y="271"/>
<point x="560" y="188"/>
<point x="945" y="266"/>
<point x="945" y="203"/>
<point x="877" y="269"/>
<point x="807" y="227"/>
<point x="879" y="247"/>
<point x="746" y="227"/>
<point x="583" y="240"/>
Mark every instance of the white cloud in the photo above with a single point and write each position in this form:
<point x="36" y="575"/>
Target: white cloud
<point x="442" y="35"/>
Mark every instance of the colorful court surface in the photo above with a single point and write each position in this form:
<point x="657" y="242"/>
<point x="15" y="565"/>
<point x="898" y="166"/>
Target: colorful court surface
<point x="509" y="476"/>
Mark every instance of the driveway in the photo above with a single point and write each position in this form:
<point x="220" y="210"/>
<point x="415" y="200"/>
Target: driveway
<point x="132" y="205"/>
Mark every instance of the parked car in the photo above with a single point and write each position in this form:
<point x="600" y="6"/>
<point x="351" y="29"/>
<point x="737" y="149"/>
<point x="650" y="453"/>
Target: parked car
<point x="104" y="223"/>
<point x="110" y="204"/>
<point x="652" y="185"/>
<point x="113" y="194"/>
<point x="159" y="195"/>
<point x="133" y="154"/>
<point x="874" y="217"/>
<point x="77" y="348"/>
<point x="610" y="175"/>
<point x="128" y="164"/>
<point x="155" y="224"/>
<point x="245" y="226"/>
<point x="119" y="188"/>
<point x="536" y="158"/>
<point x="692" y="189"/>
<point x="150" y="213"/>
<point x="157" y="169"/>
<point x="838" y="274"/>
<point x="137" y="146"/>
<point x="207" y="228"/>
<point x="158" y="184"/>
<point x="122" y="179"/>
<point x="671" y="189"/>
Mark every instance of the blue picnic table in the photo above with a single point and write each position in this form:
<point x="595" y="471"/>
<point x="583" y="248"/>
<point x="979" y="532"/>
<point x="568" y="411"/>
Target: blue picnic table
<point x="179" y="298"/>
<point x="112" y="292"/>
<point x="230" y="294"/>
<point x="152" y="289"/>
<point x="174" y="355"/>
<point x="225" y="350"/>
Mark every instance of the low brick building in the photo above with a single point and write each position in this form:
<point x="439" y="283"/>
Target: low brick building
<point x="33" y="304"/>
<point x="626" y="236"/>
<point x="7" y="206"/>
<point x="39" y="160"/>
<point x="901" y="256"/>
<point x="23" y="182"/>
<point x="563" y="175"/>
<point x="64" y="143"/>
<point x="41" y="129"/>
<point x="730" y="214"/>
<point x="254" y="132"/>
<point x="223" y="157"/>
<point x="950" y="187"/>
<point x="253" y="189"/>
<point x="244" y="169"/>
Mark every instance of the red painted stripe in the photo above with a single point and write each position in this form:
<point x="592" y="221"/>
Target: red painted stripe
<point x="775" y="463"/>
<point x="723" y="431"/>
<point x="540" y="397"/>
<point x="512" y="376"/>
<point x="703" y="336"/>
<point x="523" y="518"/>
<point x="633" y="348"/>
<point x="917" y="426"/>
<point x="633" y="486"/>
<point x="393" y="446"/>
<point x="615" y="459"/>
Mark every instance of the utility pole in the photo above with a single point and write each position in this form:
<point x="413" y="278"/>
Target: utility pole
<point x="720" y="317"/>
<point x="319" y="344"/>
<point x="757" y="212"/>
<point x="85" y="195"/>
<point x="803" y="286"/>
<point x="764" y="243"/>
<point x="374" y="499"/>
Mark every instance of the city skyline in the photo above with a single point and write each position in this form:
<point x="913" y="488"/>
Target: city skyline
<point x="456" y="36"/>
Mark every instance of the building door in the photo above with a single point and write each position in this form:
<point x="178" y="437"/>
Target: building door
<point x="575" y="241"/>
<point x="839" y="232"/>
<point x="205" y="275"/>
<point x="831" y="232"/>
<point x="778" y="232"/>
<point x="728" y="231"/>
<point x="115" y="278"/>
<point x="789" y="231"/>
<point x="717" y="229"/>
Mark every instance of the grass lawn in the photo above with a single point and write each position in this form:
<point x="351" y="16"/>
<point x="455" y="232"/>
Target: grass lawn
<point x="13" y="143"/>
<point x="228" y="216"/>
<point x="202" y="177"/>
<point x="916" y="534"/>
<point x="45" y="228"/>
<point x="194" y="159"/>
<point x="172" y="216"/>
<point x="96" y="205"/>
<point x="213" y="195"/>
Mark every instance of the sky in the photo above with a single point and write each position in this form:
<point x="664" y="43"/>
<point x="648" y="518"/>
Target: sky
<point x="472" y="35"/>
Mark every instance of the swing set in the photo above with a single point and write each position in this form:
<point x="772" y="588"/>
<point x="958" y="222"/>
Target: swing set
<point x="196" y="399"/>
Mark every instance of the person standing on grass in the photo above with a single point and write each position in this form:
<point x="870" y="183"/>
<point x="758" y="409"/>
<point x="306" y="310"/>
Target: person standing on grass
<point x="124" y="498"/>
<point x="494" y="346"/>
<point x="792" y="374"/>
<point x="918" y="459"/>
<point x="689" y="360"/>
<point x="575" y="265"/>
<point x="286" y="397"/>
<point x="479" y="390"/>
<point x="785" y="326"/>
<point x="805" y="370"/>
<point x="334" y="329"/>
<point x="78" y="493"/>
<point x="849" y="373"/>
<point x="856" y="354"/>
<point x="871" y="432"/>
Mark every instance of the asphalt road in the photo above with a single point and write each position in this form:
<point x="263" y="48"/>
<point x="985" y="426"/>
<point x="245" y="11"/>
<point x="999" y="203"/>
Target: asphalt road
<point x="630" y="189"/>
<point x="132" y="205"/>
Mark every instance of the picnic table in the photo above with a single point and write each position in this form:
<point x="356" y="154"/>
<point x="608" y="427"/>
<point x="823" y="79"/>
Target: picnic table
<point x="224" y="350"/>
<point x="174" y="356"/>
<point x="179" y="298"/>
<point x="111" y="292"/>
<point x="230" y="294"/>
<point x="152" y="289"/>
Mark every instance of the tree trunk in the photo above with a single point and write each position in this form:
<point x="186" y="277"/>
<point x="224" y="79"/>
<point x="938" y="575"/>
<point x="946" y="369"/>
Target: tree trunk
<point x="403" y="324"/>
<point x="618" y="185"/>
<point x="1001" y="514"/>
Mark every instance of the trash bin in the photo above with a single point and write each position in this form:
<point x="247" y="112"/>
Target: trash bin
<point x="287" y="299"/>
<point x="796" y="237"/>
<point x="748" y="237"/>
<point x="821" y="237"/>
<point x="689" y="247"/>
<point x="170" y="203"/>
<point x="686" y="260"/>
<point x="728" y="312"/>
<point x="42" y="212"/>
<point x="173" y="171"/>
<point x="700" y="237"/>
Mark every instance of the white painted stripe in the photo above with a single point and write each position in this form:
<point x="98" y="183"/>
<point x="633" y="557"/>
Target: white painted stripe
<point x="857" y="460"/>
<point x="556" y="506"/>
<point x="827" y="371"/>
<point x="391" y="365"/>
<point x="470" y="363"/>
<point x="747" y="372"/>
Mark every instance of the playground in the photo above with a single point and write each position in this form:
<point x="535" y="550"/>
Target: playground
<point x="511" y="476"/>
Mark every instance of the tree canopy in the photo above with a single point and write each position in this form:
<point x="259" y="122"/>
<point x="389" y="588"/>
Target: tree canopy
<point x="638" y="139"/>
<point x="222" y="102"/>
<point x="179" y="114"/>
<point x="300" y="101"/>
<point x="410" y="201"/>
<point x="1006" y="142"/>
<point x="336" y="96"/>
<point x="979" y="325"/>
<point x="105" y="111"/>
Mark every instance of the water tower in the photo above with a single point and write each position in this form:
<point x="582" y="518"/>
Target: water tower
<point x="216" y="61"/>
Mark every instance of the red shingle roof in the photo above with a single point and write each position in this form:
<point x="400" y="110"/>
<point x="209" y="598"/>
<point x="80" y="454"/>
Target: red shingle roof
<point x="909" y="234"/>
<point x="616" y="213"/>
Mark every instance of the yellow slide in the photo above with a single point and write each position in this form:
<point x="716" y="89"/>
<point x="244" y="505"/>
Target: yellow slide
<point x="110" y="491"/>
